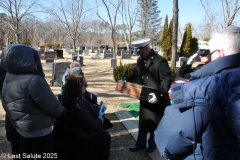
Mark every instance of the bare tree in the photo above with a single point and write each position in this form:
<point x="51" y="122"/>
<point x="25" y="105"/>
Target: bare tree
<point x="112" y="19"/>
<point x="175" y="33"/>
<point x="71" y="16"/>
<point x="16" y="11"/>
<point x="129" y="15"/>
<point x="203" y="29"/>
<point x="229" y="11"/>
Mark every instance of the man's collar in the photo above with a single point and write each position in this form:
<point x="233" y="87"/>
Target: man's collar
<point x="216" y="66"/>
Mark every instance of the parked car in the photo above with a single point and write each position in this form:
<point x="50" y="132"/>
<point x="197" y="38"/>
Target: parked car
<point x="102" y="46"/>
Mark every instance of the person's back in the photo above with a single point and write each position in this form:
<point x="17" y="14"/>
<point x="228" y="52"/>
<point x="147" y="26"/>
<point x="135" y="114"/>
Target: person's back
<point x="27" y="98"/>
<point x="208" y="106"/>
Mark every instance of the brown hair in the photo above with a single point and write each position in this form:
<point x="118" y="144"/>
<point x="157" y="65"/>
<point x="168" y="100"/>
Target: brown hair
<point x="73" y="86"/>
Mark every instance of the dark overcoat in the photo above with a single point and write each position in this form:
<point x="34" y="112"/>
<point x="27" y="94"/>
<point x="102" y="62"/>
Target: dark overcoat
<point x="154" y="72"/>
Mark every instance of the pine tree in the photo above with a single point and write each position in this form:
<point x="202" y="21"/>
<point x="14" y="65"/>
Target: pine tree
<point x="166" y="43"/>
<point x="169" y="40"/>
<point x="186" y="43"/>
<point x="164" y="35"/>
<point x="148" y="19"/>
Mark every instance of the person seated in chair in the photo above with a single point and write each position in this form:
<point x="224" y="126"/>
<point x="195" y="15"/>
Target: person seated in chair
<point x="85" y="125"/>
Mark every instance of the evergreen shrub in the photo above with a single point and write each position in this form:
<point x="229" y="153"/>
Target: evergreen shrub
<point x="121" y="71"/>
<point x="173" y="72"/>
<point x="47" y="44"/>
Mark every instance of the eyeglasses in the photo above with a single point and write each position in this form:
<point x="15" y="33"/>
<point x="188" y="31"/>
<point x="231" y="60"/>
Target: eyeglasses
<point x="209" y="56"/>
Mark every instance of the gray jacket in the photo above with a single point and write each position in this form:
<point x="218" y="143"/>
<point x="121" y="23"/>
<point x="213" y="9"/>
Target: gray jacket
<point x="26" y="97"/>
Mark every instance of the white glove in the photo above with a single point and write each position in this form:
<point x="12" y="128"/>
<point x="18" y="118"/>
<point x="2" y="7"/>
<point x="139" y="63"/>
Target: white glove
<point x="153" y="100"/>
<point x="192" y="59"/>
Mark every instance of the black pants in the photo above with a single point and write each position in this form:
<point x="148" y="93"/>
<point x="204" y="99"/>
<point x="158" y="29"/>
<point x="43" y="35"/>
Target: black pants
<point x="142" y="139"/>
<point x="102" y="143"/>
<point x="12" y="136"/>
<point x="37" y="146"/>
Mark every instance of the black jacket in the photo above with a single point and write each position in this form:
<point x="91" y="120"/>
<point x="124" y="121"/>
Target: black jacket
<point x="26" y="97"/>
<point x="153" y="72"/>
<point x="186" y="69"/>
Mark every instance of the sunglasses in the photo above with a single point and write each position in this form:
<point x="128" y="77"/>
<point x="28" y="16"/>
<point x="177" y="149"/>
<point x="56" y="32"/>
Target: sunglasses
<point x="209" y="56"/>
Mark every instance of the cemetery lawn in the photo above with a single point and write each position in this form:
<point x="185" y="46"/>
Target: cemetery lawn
<point x="100" y="80"/>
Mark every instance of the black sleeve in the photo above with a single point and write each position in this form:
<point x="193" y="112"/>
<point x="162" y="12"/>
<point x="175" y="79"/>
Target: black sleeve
<point x="185" y="70"/>
<point x="132" y="75"/>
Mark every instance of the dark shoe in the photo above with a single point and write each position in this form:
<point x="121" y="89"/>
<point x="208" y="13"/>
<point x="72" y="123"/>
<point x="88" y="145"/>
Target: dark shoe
<point x="150" y="149"/>
<point x="136" y="148"/>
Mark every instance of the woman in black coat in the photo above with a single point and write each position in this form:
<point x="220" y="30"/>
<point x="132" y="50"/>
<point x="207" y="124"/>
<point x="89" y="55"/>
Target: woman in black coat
<point x="84" y="125"/>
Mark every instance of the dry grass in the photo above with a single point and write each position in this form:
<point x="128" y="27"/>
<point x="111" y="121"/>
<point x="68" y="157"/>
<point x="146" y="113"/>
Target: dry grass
<point x="100" y="80"/>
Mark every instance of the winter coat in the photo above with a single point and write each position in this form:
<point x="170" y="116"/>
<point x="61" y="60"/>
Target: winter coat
<point x="84" y="122"/>
<point x="26" y="97"/>
<point x="186" y="70"/>
<point x="204" y="121"/>
<point x="153" y="72"/>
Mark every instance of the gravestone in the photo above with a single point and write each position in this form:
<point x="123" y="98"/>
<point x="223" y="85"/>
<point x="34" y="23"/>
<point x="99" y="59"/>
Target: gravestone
<point x="113" y="63"/>
<point x="54" y="47"/>
<point x="93" y="50"/>
<point x="47" y="49"/>
<point x="108" y="54"/>
<point x="125" y="54"/>
<point x="67" y="50"/>
<point x="42" y="49"/>
<point x="80" y="51"/>
<point x="74" y="54"/>
<point x="110" y="48"/>
<point x="181" y="60"/>
<point x="86" y="53"/>
<point x="59" y="53"/>
<point x="98" y="52"/>
<point x="49" y="63"/>
<point x="78" y="59"/>
<point x="59" y="68"/>
<point x="95" y="57"/>
<point x="89" y="47"/>
<point x="101" y="50"/>
<point x="50" y="54"/>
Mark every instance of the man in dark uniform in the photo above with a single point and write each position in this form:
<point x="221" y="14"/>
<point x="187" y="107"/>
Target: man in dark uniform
<point x="186" y="68"/>
<point x="151" y="70"/>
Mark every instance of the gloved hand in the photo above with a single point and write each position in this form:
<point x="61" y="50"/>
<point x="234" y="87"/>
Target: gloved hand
<point x="153" y="100"/>
<point x="192" y="59"/>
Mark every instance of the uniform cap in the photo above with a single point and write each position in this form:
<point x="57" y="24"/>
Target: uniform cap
<point x="203" y="52"/>
<point x="141" y="42"/>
